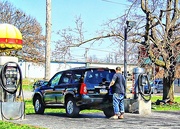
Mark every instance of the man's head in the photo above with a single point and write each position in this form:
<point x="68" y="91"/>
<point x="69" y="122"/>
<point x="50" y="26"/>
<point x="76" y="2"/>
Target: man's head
<point x="118" y="69"/>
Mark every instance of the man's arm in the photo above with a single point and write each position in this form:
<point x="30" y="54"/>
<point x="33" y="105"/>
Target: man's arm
<point x="124" y="83"/>
<point x="113" y="80"/>
<point x="111" y="83"/>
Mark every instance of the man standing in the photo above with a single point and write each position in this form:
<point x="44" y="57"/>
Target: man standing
<point x="118" y="89"/>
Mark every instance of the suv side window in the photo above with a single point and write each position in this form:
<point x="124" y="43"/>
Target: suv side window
<point x="66" y="78"/>
<point x="55" y="80"/>
<point x="78" y="75"/>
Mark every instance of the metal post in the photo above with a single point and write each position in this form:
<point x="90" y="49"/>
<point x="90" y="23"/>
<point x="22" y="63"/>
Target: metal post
<point x="128" y="27"/>
<point x="125" y="55"/>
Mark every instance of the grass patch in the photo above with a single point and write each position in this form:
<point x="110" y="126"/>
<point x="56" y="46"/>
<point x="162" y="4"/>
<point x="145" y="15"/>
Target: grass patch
<point x="165" y="107"/>
<point x="28" y="84"/>
<point x="9" y="125"/>
<point x="27" y="87"/>
<point x="29" y="109"/>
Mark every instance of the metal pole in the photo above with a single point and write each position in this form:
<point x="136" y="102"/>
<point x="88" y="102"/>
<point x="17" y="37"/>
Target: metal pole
<point x="125" y="55"/>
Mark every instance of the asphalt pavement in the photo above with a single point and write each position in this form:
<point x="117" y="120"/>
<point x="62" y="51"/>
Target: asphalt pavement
<point x="156" y="120"/>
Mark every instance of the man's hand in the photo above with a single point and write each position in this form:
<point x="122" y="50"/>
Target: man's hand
<point x="125" y="96"/>
<point x="111" y="83"/>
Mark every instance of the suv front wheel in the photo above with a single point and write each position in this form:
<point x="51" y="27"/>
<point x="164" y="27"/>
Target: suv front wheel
<point x="38" y="105"/>
<point x="72" y="110"/>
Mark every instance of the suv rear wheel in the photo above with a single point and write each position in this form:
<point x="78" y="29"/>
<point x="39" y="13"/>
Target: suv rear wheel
<point x="155" y="91"/>
<point x="108" y="112"/>
<point x="38" y="105"/>
<point x="72" y="110"/>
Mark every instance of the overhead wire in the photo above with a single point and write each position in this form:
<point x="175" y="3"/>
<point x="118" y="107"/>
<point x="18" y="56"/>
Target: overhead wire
<point x="110" y="1"/>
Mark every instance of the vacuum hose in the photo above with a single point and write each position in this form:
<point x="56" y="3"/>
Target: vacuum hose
<point x="146" y="97"/>
<point x="3" y="79"/>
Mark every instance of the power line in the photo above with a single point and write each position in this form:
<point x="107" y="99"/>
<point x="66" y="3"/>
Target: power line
<point x="115" y="2"/>
<point x="97" y="49"/>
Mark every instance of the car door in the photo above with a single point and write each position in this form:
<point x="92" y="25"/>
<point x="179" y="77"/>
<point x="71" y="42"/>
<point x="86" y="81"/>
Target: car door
<point x="160" y="86"/>
<point x="60" y="89"/>
<point x="50" y="93"/>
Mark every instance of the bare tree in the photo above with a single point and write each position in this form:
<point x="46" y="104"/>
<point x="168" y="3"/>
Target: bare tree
<point x="75" y="37"/>
<point x="162" y="40"/>
<point x="33" y="40"/>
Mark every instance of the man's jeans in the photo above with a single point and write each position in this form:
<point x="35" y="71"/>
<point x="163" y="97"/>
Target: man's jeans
<point x="118" y="103"/>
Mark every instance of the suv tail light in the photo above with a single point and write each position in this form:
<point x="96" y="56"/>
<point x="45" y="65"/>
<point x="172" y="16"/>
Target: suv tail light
<point x="83" y="88"/>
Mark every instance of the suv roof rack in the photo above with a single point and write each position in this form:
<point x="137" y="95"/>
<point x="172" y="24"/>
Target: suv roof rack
<point x="85" y="67"/>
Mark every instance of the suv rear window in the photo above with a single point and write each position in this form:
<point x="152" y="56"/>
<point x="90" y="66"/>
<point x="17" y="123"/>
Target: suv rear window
<point x="158" y="82"/>
<point x="96" y="76"/>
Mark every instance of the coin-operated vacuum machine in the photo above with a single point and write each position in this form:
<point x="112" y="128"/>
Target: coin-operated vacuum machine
<point x="141" y="101"/>
<point x="12" y="104"/>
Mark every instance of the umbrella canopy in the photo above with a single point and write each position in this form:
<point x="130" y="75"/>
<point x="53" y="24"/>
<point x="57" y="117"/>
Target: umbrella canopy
<point x="10" y="37"/>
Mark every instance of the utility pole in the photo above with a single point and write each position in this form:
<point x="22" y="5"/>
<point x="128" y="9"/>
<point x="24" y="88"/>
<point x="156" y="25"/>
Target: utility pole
<point x="48" y="40"/>
<point x="125" y="52"/>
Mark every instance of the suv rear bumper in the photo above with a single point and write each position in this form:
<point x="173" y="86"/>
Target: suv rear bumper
<point x="87" y="100"/>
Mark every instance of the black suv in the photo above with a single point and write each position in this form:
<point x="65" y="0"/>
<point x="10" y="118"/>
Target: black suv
<point x="76" y="89"/>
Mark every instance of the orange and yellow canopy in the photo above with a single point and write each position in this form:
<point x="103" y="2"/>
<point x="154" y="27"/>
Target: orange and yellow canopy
<point x="10" y="37"/>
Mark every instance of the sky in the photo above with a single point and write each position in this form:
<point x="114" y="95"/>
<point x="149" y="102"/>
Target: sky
<point x="93" y="13"/>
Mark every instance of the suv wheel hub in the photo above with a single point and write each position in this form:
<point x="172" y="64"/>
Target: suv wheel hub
<point x="37" y="105"/>
<point x="70" y="107"/>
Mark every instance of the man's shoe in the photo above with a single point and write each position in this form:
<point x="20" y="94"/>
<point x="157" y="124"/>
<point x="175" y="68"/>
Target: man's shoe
<point x="121" y="117"/>
<point x="115" y="117"/>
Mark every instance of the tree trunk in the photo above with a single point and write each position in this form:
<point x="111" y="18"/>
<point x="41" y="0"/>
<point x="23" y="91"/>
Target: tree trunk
<point x="168" y="88"/>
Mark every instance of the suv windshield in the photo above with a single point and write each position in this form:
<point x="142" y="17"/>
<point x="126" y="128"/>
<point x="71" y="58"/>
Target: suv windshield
<point x="97" y="76"/>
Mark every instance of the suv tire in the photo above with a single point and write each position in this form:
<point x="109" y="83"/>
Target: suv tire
<point x="155" y="91"/>
<point x="108" y="112"/>
<point x="38" y="105"/>
<point x="72" y="110"/>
